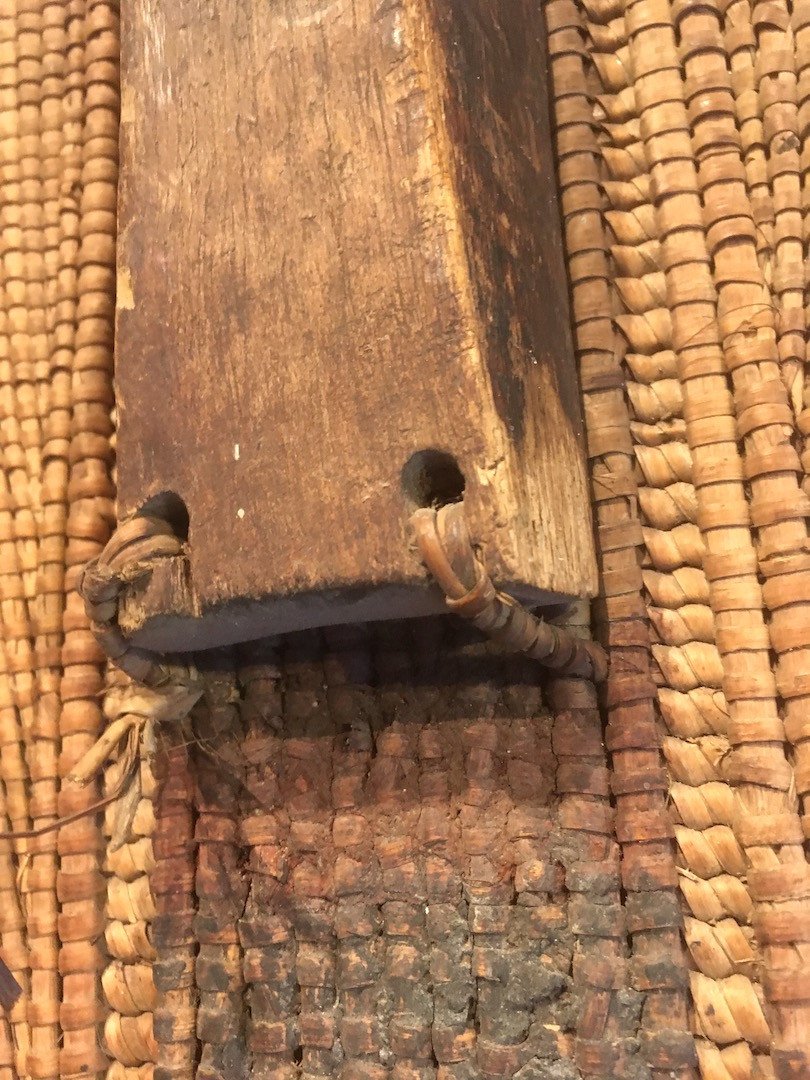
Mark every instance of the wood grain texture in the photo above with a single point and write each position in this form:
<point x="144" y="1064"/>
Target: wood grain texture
<point x="340" y="245"/>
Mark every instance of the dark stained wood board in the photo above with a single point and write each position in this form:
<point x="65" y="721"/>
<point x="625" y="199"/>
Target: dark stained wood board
<point x="340" y="245"/>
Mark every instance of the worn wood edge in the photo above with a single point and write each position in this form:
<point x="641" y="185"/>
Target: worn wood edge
<point x="518" y="485"/>
<point x="516" y="516"/>
<point x="182" y="626"/>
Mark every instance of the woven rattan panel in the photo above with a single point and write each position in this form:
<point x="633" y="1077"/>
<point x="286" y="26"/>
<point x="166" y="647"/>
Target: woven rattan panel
<point x="385" y="881"/>
<point x="421" y="902"/>
<point x="681" y="141"/>
<point x="393" y="854"/>
<point x="58" y="169"/>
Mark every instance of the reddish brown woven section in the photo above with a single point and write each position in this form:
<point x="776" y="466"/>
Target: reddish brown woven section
<point x="173" y="930"/>
<point x="392" y="885"/>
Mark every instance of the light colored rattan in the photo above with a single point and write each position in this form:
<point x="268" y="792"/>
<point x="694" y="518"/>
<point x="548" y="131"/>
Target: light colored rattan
<point x="695" y="113"/>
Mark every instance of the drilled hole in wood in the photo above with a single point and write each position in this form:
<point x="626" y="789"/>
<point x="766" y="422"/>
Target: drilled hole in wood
<point x="168" y="506"/>
<point x="432" y="478"/>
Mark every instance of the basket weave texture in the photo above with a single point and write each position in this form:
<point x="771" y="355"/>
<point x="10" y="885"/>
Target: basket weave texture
<point x="389" y="854"/>
<point x="683" y="163"/>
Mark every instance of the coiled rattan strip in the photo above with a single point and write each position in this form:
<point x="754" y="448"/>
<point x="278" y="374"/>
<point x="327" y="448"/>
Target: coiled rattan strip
<point x="721" y="508"/>
<point x="15" y="517"/>
<point x="32" y="355"/>
<point x="689" y="662"/>
<point x="92" y="29"/>
<point x="748" y="325"/>
<point x="41" y="154"/>
<point x="777" y="84"/>
<point x="648" y="331"/>
<point x="127" y="979"/>
<point x="673" y="540"/>
<point x="656" y="962"/>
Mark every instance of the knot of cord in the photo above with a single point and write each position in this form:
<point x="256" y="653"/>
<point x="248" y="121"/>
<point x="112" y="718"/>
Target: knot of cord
<point x="130" y="556"/>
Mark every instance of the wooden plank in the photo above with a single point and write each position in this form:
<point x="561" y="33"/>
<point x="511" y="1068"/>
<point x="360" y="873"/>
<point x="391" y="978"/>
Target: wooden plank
<point x="340" y="247"/>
